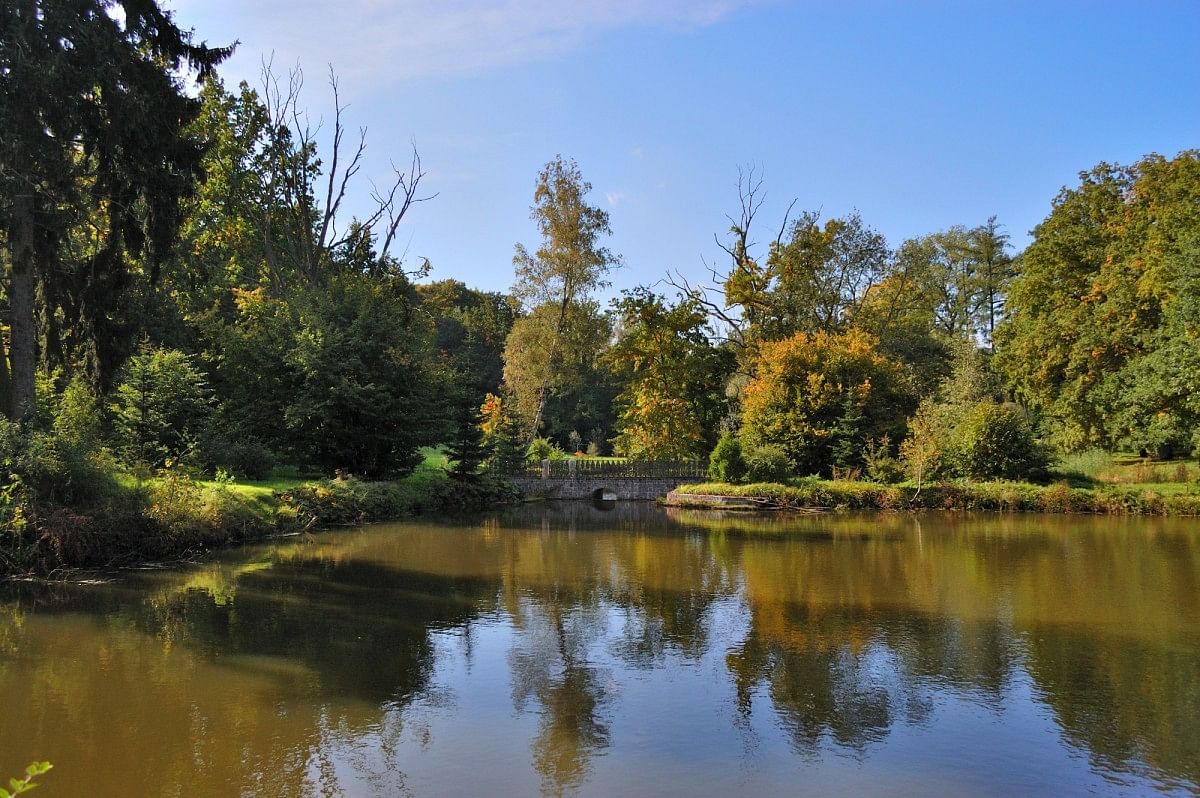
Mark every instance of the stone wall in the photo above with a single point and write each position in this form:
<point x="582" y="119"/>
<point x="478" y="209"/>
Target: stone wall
<point x="626" y="488"/>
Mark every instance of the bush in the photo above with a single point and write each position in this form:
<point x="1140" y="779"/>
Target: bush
<point x="989" y="496"/>
<point x="768" y="464"/>
<point x="544" y="449"/>
<point x="821" y="396"/>
<point x="245" y="456"/>
<point x="726" y="463"/>
<point x="994" y="441"/>
<point x="882" y="467"/>
<point x="189" y="515"/>
<point x="348" y="500"/>
<point x="981" y="440"/>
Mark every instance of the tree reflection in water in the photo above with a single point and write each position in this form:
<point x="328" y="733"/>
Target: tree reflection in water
<point x="323" y="665"/>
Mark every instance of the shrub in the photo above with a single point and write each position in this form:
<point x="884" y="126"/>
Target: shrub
<point x="994" y="441"/>
<point x="881" y="466"/>
<point x="353" y="501"/>
<point x="544" y="449"/>
<point x="79" y="415"/>
<point x="768" y="464"/>
<point x="820" y="396"/>
<point x="189" y="515"/>
<point x="726" y="463"/>
<point x="244" y="456"/>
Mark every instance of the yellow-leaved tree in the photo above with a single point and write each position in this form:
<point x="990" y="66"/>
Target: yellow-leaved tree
<point x="821" y="396"/>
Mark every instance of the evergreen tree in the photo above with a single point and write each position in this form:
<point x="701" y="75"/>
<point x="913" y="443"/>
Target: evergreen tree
<point x="94" y="114"/>
<point x="508" y="446"/>
<point x="848" y="443"/>
<point x="466" y="450"/>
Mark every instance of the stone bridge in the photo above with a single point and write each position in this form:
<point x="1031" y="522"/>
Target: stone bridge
<point x="625" y="481"/>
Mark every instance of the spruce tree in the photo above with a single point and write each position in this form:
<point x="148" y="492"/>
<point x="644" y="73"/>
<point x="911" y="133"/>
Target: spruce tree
<point x="466" y="450"/>
<point x="95" y="116"/>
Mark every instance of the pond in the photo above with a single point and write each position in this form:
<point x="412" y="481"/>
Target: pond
<point x="567" y="649"/>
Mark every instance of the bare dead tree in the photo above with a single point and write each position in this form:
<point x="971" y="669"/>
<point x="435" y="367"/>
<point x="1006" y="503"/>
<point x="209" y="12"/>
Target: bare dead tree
<point x="309" y="230"/>
<point x="733" y="315"/>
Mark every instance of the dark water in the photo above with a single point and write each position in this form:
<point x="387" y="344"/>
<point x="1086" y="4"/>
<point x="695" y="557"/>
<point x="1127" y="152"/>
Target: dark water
<point x="567" y="650"/>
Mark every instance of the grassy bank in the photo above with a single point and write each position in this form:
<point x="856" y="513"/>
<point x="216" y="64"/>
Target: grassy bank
<point x="173" y="516"/>
<point x="995" y="496"/>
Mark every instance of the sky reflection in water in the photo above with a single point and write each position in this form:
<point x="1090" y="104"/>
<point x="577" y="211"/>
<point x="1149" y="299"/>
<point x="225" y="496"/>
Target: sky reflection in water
<point x="567" y="650"/>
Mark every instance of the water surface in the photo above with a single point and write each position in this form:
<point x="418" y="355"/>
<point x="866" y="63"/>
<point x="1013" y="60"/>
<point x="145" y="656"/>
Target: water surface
<point x="569" y="650"/>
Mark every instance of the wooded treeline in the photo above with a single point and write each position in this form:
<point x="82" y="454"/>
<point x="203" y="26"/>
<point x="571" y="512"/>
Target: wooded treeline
<point x="184" y="285"/>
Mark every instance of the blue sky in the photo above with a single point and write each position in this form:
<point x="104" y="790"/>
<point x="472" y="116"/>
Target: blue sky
<point x="919" y="114"/>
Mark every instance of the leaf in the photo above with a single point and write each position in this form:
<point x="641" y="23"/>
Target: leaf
<point x="5" y="793"/>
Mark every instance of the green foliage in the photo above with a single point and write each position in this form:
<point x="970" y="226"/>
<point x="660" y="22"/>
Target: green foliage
<point x="247" y="349"/>
<point x="188" y="515"/>
<point x="811" y="392"/>
<point x="470" y="328"/>
<point x="553" y="370"/>
<point x="994" y="441"/>
<point x="240" y="453"/>
<point x="365" y="396"/>
<point x="26" y="784"/>
<point x="466" y="450"/>
<point x="507" y="443"/>
<point x="348" y="500"/>
<point x="963" y="432"/>
<point x="545" y="350"/>
<point x="673" y="377"/>
<point x="544" y="449"/>
<point x="726" y="463"/>
<point x="881" y="464"/>
<point x="1102" y="325"/>
<point x="162" y="404"/>
<point x="39" y="469"/>
<point x="811" y="282"/>
<point x="767" y="464"/>
<point x="78" y="417"/>
<point x="96" y="158"/>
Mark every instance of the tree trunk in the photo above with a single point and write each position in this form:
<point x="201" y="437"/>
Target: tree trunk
<point x="22" y="243"/>
<point x="23" y="349"/>
<point x="5" y="387"/>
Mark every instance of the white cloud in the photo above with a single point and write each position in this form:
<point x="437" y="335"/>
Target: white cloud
<point x="382" y="41"/>
<point x="615" y="197"/>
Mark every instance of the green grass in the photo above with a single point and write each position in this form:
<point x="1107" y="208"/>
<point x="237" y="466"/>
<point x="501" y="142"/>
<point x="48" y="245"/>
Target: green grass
<point x="263" y="491"/>
<point x="1128" y="470"/>
<point x="434" y="457"/>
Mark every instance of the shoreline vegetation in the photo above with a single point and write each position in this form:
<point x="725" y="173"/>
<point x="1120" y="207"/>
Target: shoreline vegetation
<point x="999" y="496"/>
<point x="174" y="516"/>
<point x="195" y="316"/>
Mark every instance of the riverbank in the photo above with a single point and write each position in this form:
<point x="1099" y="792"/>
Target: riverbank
<point x="173" y="516"/>
<point x="817" y="494"/>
